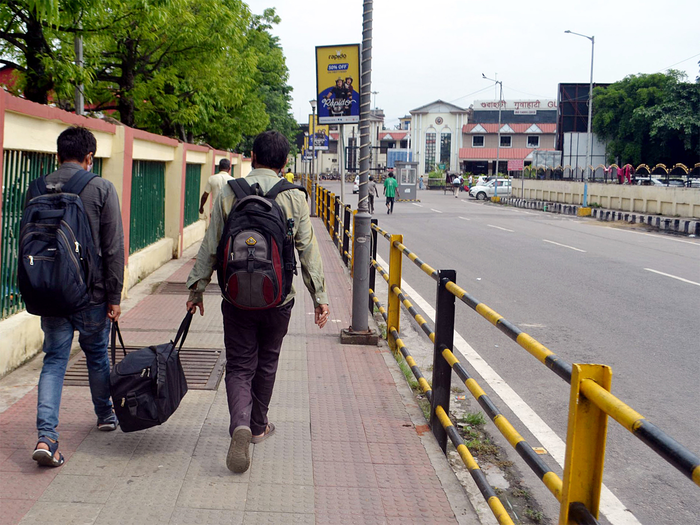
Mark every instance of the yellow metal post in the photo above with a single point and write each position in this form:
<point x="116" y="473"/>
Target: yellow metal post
<point x="394" y="305"/>
<point x="585" y="444"/>
<point x="332" y="221"/>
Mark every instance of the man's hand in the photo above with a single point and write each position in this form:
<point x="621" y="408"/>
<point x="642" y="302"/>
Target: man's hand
<point x="321" y="315"/>
<point x="192" y="307"/>
<point x="114" y="311"/>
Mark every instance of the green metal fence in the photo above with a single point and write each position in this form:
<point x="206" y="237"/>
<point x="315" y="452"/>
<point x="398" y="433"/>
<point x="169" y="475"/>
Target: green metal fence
<point x="147" y="204"/>
<point x="19" y="169"/>
<point x="193" y="175"/>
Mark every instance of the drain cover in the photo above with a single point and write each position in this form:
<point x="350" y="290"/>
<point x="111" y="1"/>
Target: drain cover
<point x="203" y="368"/>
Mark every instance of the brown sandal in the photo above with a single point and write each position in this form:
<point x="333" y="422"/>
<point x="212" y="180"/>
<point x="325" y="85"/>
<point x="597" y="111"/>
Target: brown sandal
<point x="268" y="432"/>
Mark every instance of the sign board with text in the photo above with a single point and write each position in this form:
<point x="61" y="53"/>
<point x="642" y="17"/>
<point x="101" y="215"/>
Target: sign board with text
<point x="516" y="165"/>
<point x="337" y="74"/>
<point x="522" y="107"/>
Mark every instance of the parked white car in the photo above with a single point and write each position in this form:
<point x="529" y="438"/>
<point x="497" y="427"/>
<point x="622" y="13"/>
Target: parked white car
<point x="356" y="185"/>
<point x="488" y="190"/>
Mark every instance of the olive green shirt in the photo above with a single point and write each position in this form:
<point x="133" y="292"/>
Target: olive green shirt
<point x="294" y="205"/>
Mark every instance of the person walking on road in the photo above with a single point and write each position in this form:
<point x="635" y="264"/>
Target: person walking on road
<point x="371" y="193"/>
<point x="289" y="176"/>
<point x="457" y="185"/>
<point x="215" y="183"/>
<point x="76" y="148"/>
<point x="391" y="189"/>
<point x="253" y="337"/>
<point x="420" y="183"/>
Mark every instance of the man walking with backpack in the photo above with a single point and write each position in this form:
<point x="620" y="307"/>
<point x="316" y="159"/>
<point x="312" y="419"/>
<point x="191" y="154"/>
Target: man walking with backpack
<point x="71" y="273"/>
<point x="256" y="225"/>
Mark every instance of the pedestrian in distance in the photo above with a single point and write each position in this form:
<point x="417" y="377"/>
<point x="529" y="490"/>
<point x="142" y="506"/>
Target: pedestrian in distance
<point x="371" y="193"/>
<point x="391" y="190"/>
<point x="289" y="176"/>
<point x="89" y="206"/>
<point x="457" y="185"/>
<point x="256" y="319"/>
<point x="420" y="183"/>
<point x="215" y="183"/>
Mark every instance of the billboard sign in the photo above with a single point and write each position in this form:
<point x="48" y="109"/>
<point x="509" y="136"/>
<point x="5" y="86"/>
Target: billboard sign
<point x="337" y="84"/>
<point x="323" y="134"/>
<point x="516" y="165"/>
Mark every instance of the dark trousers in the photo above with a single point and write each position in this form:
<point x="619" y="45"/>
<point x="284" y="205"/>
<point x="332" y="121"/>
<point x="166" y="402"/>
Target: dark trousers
<point x="253" y="339"/>
<point x="370" y="199"/>
<point x="390" y="204"/>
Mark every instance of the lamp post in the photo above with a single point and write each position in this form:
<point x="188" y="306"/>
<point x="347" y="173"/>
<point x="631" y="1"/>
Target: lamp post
<point x="314" y="175"/>
<point x="589" y="142"/>
<point x="498" y="146"/>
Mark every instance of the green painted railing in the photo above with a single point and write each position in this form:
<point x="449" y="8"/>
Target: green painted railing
<point x="193" y="175"/>
<point x="19" y="169"/>
<point x="147" y="204"/>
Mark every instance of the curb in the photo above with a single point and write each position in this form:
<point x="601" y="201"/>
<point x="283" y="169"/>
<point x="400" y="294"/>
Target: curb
<point x="665" y="224"/>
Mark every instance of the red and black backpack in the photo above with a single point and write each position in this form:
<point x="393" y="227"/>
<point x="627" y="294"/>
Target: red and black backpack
<point x="255" y="257"/>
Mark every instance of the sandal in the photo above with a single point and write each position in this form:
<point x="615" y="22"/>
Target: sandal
<point x="269" y="430"/>
<point x="48" y="457"/>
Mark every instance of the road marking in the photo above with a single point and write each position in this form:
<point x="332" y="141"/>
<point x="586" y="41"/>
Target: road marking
<point x="656" y="235"/>
<point x="416" y="204"/>
<point x="465" y="219"/>
<point x="611" y="506"/>
<point x="498" y="227"/>
<point x="436" y="211"/>
<point x="672" y="276"/>
<point x="564" y="246"/>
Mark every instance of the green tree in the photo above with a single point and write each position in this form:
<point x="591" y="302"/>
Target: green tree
<point x="270" y="79"/>
<point x="649" y="119"/>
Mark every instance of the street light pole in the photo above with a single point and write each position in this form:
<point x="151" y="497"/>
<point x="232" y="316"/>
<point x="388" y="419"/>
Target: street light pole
<point x="314" y="175"/>
<point x="589" y="142"/>
<point x="498" y="145"/>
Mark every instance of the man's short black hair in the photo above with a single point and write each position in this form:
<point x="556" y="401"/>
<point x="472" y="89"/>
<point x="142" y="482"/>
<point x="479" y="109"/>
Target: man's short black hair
<point x="224" y="165"/>
<point x="271" y="149"/>
<point x="75" y="143"/>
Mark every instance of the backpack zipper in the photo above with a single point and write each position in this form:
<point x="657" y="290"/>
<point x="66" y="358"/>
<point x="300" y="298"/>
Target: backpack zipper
<point x="72" y="257"/>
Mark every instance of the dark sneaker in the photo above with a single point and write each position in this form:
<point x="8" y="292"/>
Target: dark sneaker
<point x="108" y="424"/>
<point x="238" y="457"/>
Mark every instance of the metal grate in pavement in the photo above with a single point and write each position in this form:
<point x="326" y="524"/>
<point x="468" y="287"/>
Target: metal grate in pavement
<point x="175" y="288"/>
<point x="203" y="367"/>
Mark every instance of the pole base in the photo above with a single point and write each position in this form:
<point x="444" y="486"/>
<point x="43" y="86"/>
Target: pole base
<point x="350" y="337"/>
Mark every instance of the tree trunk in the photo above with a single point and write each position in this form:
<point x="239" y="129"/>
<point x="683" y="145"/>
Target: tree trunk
<point x="126" y="106"/>
<point x="39" y="82"/>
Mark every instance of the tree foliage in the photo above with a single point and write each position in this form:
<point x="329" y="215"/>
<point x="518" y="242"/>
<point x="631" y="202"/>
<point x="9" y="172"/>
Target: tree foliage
<point x="649" y="119"/>
<point x="200" y="71"/>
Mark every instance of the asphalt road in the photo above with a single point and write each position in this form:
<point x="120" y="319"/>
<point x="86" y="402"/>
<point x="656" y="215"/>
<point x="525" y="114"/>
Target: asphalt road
<point x="591" y="292"/>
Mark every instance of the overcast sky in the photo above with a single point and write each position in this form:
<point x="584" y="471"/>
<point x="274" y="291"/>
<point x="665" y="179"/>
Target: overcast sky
<point x="438" y="49"/>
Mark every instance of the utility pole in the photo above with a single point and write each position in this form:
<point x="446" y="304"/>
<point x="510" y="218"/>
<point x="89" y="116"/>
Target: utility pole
<point x="498" y="144"/>
<point x="79" y="98"/>
<point x="314" y="175"/>
<point x="359" y="332"/>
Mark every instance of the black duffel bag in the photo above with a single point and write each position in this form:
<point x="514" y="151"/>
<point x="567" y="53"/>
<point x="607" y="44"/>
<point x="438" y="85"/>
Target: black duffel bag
<point x="148" y="384"/>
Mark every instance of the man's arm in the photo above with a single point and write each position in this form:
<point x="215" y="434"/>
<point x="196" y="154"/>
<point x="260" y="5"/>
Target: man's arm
<point x="112" y="247"/>
<point x="200" y="276"/>
<point x="202" y="201"/>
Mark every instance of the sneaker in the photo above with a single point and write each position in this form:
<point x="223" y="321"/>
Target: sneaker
<point x="238" y="457"/>
<point x="108" y="424"/>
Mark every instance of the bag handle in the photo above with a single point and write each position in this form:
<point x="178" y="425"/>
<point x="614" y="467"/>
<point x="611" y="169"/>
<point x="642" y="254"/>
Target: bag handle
<point x="183" y="330"/>
<point x="113" y="345"/>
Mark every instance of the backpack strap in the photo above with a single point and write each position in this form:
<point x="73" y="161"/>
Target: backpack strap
<point x="240" y="187"/>
<point x="37" y="187"/>
<point x="77" y="182"/>
<point x="281" y="186"/>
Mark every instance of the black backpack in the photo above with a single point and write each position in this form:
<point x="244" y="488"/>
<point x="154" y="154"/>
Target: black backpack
<point x="148" y="384"/>
<point x="58" y="261"/>
<point x="255" y="258"/>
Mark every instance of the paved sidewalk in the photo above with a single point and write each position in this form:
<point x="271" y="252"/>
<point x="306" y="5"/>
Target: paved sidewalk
<point x="351" y="444"/>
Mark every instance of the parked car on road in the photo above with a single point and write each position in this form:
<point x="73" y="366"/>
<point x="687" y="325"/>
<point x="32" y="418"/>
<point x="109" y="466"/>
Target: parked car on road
<point x="356" y="185"/>
<point x="658" y="181"/>
<point x="488" y="190"/>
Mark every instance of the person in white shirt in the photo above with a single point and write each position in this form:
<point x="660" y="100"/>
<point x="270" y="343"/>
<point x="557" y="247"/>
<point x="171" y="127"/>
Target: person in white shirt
<point x="215" y="183"/>
<point x="457" y="184"/>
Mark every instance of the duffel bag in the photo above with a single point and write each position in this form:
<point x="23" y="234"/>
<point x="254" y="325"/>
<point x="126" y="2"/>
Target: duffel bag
<point x="147" y="385"/>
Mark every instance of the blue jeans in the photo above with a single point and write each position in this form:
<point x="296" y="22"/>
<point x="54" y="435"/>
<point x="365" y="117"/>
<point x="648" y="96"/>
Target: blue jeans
<point x="93" y="327"/>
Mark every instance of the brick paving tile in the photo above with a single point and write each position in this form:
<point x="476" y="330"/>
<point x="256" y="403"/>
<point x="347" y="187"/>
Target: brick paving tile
<point x="335" y="474"/>
<point x="54" y="513"/>
<point x="186" y="516"/>
<point x="397" y="453"/>
<point x="348" y="502"/>
<point x="278" y="518"/>
<point x="25" y="485"/>
<point x="180" y="276"/>
<point x="13" y="510"/>
<point x="331" y="451"/>
<point x="416" y="502"/>
<point x="422" y="475"/>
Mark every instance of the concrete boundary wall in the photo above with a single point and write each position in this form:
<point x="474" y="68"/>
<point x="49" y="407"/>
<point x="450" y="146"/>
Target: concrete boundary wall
<point x="669" y="201"/>
<point x="27" y="126"/>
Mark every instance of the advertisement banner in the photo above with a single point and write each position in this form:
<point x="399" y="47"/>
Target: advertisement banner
<point x="322" y="134"/>
<point x="337" y="83"/>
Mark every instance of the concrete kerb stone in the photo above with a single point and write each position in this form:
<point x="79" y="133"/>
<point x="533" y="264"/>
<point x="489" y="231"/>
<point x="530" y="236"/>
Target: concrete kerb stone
<point x="690" y="227"/>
